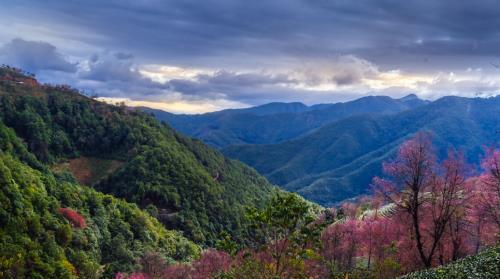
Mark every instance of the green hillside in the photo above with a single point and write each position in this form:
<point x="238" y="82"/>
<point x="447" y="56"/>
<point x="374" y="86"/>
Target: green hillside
<point x="339" y="160"/>
<point x="184" y="184"/>
<point x="39" y="242"/>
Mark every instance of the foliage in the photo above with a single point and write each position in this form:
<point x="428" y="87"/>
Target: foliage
<point x="77" y="220"/>
<point x="38" y="242"/>
<point x="287" y="232"/>
<point x="369" y="238"/>
<point x="52" y="227"/>
<point x="188" y="186"/>
<point x="485" y="265"/>
<point x="285" y="245"/>
<point x="211" y="264"/>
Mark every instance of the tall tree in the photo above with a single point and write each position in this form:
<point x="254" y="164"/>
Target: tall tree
<point x="286" y="227"/>
<point x="412" y="172"/>
<point x="431" y="195"/>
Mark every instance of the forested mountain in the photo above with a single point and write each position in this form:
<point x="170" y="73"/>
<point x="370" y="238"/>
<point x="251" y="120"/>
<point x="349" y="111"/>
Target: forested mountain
<point x="51" y="227"/>
<point x="276" y="122"/>
<point x="425" y="214"/>
<point x="338" y="161"/>
<point x="183" y="183"/>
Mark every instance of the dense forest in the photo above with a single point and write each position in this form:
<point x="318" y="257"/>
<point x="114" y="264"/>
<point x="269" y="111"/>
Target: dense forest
<point x="425" y="213"/>
<point x="91" y="190"/>
<point x="168" y="180"/>
<point x="51" y="227"/>
<point x="330" y="152"/>
<point x="186" y="185"/>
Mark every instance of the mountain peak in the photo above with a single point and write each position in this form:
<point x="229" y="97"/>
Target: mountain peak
<point x="410" y="97"/>
<point x="276" y="108"/>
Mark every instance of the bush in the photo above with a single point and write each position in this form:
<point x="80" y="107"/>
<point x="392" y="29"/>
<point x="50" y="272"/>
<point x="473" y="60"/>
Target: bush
<point x="484" y="265"/>
<point x="73" y="217"/>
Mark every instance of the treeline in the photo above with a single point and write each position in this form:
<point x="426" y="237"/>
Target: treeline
<point x="423" y="214"/>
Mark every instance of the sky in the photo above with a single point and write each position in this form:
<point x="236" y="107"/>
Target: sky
<point x="192" y="56"/>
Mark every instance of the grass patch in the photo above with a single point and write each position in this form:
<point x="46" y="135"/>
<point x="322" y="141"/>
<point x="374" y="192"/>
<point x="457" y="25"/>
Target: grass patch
<point x="88" y="170"/>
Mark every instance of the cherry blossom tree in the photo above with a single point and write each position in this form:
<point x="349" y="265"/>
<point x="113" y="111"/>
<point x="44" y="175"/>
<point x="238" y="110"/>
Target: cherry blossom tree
<point x="490" y="198"/>
<point x="431" y="195"/>
<point x="412" y="172"/>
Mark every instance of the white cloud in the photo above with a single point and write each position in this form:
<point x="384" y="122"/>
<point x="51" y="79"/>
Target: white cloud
<point x="164" y="73"/>
<point x="194" y="107"/>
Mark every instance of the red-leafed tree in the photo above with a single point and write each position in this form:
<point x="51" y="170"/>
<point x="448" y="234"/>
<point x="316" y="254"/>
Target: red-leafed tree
<point x="153" y="264"/>
<point x="77" y="220"/>
<point x="376" y="236"/>
<point x="490" y="189"/>
<point x="411" y="174"/>
<point x="432" y="196"/>
<point x="485" y="204"/>
<point x="177" y="271"/>
<point x="211" y="263"/>
<point x="447" y="206"/>
<point x="341" y="244"/>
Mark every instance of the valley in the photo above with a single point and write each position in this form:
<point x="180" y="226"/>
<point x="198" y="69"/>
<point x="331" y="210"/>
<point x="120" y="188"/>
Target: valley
<point x="337" y="159"/>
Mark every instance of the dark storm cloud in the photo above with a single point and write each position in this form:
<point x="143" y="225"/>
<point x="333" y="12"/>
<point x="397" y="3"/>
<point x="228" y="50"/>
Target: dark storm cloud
<point x="119" y="73"/>
<point x="186" y="30"/>
<point x="262" y="89"/>
<point x="123" y="56"/>
<point x="229" y="84"/>
<point x="325" y="50"/>
<point x="114" y="75"/>
<point x="245" y="79"/>
<point x="109" y="67"/>
<point x="34" y="56"/>
<point x="346" y="78"/>
<point x="247" y="87"/>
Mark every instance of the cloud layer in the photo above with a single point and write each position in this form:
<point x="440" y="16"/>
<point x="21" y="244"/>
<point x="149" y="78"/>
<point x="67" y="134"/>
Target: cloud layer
<point x="236" y="53"/>
<point x="34" y="56"/>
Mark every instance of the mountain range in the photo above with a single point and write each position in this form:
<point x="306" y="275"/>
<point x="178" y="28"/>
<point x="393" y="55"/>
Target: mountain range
<point x="330" y="152"/>
<point x="276" y="122"/>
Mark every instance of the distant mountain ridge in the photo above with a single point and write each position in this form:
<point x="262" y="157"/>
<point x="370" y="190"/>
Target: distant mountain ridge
<point x="271" y="108"/>
<point x="277" y="122"/>
<point x="338" y="160"/>
<point x="330" y="152"/>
